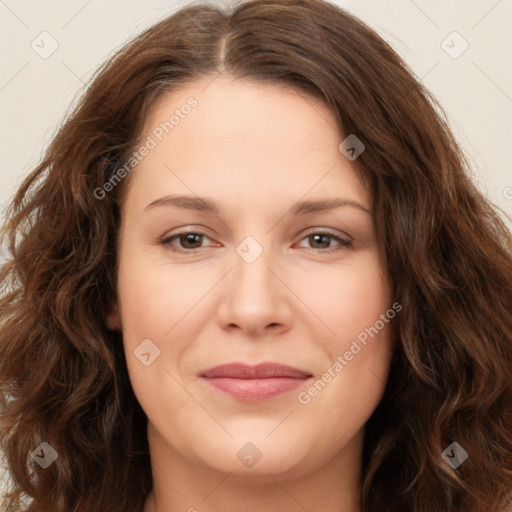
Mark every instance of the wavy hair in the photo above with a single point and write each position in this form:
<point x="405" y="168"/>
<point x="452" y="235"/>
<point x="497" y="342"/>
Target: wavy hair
<point x="448" y="252"/>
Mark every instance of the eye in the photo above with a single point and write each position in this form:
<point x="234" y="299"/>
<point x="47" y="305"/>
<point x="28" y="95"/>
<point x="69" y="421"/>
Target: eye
<point x="322" y="240"/>
<point x="189" y="242"/>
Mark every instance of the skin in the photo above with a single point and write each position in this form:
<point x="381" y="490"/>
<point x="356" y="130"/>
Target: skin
<point x="302" y="302"/>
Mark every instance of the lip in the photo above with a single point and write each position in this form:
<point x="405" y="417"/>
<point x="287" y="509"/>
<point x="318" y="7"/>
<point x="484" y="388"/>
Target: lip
<point x="254" y="383"/>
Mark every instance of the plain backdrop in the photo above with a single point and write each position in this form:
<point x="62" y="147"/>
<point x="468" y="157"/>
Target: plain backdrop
<point x="460" y="49"/>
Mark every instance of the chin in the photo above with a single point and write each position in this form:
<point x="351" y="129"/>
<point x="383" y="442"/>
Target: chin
<point x="253" y="453"/>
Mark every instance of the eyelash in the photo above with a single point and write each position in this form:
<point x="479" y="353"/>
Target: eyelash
<point x="166" y="241"/>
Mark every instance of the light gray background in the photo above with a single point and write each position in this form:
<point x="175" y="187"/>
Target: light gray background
<point x="475" y="89"/>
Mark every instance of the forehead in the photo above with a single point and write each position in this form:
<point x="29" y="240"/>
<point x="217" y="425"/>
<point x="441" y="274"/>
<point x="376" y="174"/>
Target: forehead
<point x="250" y="137"/>
<point x="241" y="110"/>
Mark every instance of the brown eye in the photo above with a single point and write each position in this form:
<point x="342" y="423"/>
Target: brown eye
<point x="190" y="240"/>
<point x="322" y="241"/>
<point x="187" y="241"/>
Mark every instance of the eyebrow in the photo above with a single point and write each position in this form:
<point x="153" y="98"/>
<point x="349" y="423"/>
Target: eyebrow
<point x="207" y="205"/>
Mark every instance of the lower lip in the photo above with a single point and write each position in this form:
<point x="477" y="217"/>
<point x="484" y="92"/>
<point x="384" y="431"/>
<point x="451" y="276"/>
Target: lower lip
<point x="255" y="389"/>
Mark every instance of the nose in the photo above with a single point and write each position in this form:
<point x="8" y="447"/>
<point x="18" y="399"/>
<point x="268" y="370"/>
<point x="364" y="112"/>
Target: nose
<point x="256" y="299"/>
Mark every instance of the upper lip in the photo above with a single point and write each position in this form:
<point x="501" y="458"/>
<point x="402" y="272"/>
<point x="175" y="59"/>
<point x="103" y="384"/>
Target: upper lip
<point x="260" y="371"/>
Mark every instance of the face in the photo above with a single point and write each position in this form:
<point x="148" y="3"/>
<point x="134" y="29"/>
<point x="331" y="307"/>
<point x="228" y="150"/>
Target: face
<point x="277" y="263"/>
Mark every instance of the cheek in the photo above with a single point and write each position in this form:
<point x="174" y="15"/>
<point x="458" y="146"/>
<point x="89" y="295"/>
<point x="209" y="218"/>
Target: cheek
<point x="356" y="352"/>
<point x="363" y="299"/>
<point x="154" y="300"/>
<point x="364" y="328"/>
<point x="358" y="344"/>
<point x="162" y="303"/>
<point x="154" y="296"/>
<point x="347" y="299"/>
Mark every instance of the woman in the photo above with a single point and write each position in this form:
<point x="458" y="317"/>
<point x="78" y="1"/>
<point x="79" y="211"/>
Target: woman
<point x="252" y="273"/>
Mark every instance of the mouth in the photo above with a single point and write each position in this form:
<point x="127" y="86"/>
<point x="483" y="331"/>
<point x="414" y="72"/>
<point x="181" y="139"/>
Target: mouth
<point x="254" y="383"/>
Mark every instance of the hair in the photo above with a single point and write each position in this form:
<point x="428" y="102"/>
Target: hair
<point x="447" y="251"/>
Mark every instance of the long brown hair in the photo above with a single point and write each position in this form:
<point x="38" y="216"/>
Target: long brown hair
<point x="63" y="377"/>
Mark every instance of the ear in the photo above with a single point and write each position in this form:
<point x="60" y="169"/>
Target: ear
<point x="113" y="318"/>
